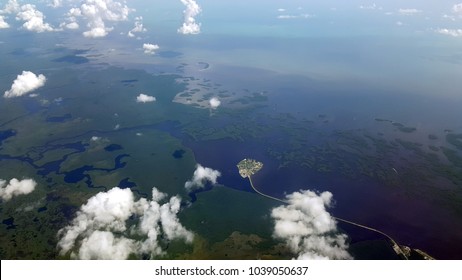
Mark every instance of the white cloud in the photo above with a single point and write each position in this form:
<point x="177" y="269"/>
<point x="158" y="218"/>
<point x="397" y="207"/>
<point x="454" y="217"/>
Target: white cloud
<point x="201" y="176"/>
<point x="409" y="12"/>
<point x="150" y="48"/>
<point x="16" y="187"/>
<point x="113" y="225"/>
<point x="372" y="6"/>
<point x="139" y="28"/>
<point x="3" y="23"/>
<point x="55" y="3"/>
<point x="103" y="245"/>
<point x="189" y="22"/>
<point x="72" y="25"/>
<point x="399" y="23"/>
<point x="295" y="16"/>
<point x="450" y="32"/>
<point x="97" y="13"/>
<point x="71" y="21"/>
<point x="33" y="19"/>
<point x="214" y="102"/>
<point x="11" y="7"/>
<point x="281" y="10"/>
<point x="308" y="229"/>
<point x="457" y="8"/>
<point x="143" y="98"/>
<point x="25" y="83"/>
<point x="449" y="17"/>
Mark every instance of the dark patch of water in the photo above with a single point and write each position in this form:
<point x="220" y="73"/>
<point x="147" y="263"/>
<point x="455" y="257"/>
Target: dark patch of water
<point x="77" y="175"/>
<point x="74" y="59"/>
<point x="9" y="223"/>
<point x="178" y="153"/>
<point x="129" y="81"/>
<point x="125" y="183"/>
<point x="113" y="147"/>
<point x="192" y="194"/>
<point x="169" y="54"/>
<point x="5" y="134"/>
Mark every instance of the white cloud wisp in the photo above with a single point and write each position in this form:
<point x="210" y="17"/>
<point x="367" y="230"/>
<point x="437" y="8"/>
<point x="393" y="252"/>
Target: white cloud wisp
<point x="138" y="28"/>
<point x="450" y="32"/>
<point x="409" y="12"/>
<point x="201" y="176"/>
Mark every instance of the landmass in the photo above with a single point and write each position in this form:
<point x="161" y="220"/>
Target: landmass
<point x="401" y="127"/>
<point x="248" y="167"/>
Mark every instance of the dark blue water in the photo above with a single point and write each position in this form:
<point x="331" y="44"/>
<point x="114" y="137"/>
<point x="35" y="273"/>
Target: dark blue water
<point x="178" y="153"/>
<point x="73" y="59"/>
<point x="5" y="134"/>
<point x="113" y="147"/>
<point x="125" y="183"/>
<point x="77" y="175"/>
<point x="9" y="223"/>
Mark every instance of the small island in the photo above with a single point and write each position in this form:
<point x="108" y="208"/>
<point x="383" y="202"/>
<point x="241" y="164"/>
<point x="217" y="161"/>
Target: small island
<point x="248" y="167"/>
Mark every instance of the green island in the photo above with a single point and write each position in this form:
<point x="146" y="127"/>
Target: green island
<point x="248" y="167"/>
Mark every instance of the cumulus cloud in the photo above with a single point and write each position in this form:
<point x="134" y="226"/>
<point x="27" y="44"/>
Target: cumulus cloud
<point x="409" y="12"/>
<point x="308" y="229"/>
<point x="450" y="32"/>
<point x="11" y="7"/>
<point x="16" y="187"/>
<point x="201" y="176"/>
<point x="101" y="228"/>
<point x="214" y="102"/>
<point x="96" y="13"/>
<point x="139" y="28"/>
<point x="143" y="98"/>
<point x="3" y="23"/>
<point x="71" y="19"/>
<point x="150" y="48"/>
<point x="189" y="22"/>
<point x="33" y="19"/>
<point x="25" y="83"/>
